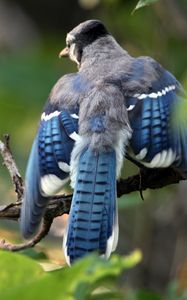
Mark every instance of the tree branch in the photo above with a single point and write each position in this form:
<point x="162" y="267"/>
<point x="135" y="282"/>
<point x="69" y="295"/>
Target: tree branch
<point x="59" y="205"/>
<point x="11" y="166"/>
<point x="148" y="179"/>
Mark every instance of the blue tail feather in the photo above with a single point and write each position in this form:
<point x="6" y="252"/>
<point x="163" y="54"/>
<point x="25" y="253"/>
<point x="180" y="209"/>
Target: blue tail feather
<point x="93" y="210"/>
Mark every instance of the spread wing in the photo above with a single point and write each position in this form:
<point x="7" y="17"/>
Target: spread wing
<point x="158" y="138"/>
<point x="48" y="166"/>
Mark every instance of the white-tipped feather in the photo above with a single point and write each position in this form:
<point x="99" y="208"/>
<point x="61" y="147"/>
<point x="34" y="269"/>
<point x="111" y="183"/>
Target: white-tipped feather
<point x="113" y="239"/>
<point x="74" y="116"/>
<point x="64" y="166"/>
<point x="64" y="245"/>
<point x="142" y="154"/>
<point x="115" y="230"/>
<point x="46" y="117"/>
<point x="74" y="136"/>
<point x="123" y="139"/>
<point x="155" y="95"/>
<point x="143" y="96"/>
<point x="170" y="158"/>
<point x="51" y="184"/>
<point x="155" y="161"/>
<point x="80" y="145"/>
<point x="130" y="107"/>
<point x="163" y="92"/>
<point x="163" y="159"/>
<point x="110" y="243"/>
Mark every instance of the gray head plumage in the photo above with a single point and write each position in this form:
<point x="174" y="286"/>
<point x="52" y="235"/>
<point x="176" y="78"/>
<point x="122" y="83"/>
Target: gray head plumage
<point x="82" y="36"/>
<point x="88" y="31"/>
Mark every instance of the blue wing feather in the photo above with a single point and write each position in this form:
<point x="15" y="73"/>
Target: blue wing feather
<point x="55" y="143"/>
<point x="33" y="202"/>
<point x="151" y="121"/>
<point x="70" y="123"/>
<point x="52" y="146"/>
<point x="48" y="166"/>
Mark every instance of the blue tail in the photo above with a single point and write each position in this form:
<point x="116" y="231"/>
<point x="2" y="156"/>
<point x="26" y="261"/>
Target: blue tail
<point x="93" y="216"/>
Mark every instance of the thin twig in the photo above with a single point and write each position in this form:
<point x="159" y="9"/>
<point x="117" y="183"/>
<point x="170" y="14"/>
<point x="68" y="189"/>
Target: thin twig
<point x="11" y="166"/>
<point x="150" y="179"/>
<point x="41" y="234"/>
<point x="56" y="207"/>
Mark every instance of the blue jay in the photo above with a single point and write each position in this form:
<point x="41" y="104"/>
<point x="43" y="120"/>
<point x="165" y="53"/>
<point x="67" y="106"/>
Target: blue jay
<point x="112" y="104"/>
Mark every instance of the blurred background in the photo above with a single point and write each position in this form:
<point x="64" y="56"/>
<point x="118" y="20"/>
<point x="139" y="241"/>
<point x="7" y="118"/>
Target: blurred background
<point x="32" y="33"/>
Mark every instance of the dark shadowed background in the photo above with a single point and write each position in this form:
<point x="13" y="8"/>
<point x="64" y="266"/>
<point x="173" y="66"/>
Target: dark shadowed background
<point x="32" y="33"/>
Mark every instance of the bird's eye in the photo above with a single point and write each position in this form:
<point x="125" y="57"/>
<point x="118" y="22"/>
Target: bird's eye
<point x="68" y="45"/>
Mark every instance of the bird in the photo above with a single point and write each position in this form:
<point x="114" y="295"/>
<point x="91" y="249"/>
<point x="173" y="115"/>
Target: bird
<point x="114" y="105"/>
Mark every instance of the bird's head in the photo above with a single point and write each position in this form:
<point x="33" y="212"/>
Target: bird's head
<point x="80" y="37"/>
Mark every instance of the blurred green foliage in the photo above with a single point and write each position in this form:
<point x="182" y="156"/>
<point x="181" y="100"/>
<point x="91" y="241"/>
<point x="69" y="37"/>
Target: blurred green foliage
<point x="91" y="278"/>
<point x="143" y="3"/>
<point x="88" y="279"/>
<point x="26" y="79"/>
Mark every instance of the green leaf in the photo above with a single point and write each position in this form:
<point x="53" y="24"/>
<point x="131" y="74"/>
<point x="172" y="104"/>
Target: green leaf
<point x="22" y="278"/>
<point x="17" y="270"/>
<point x="142" y="3"/>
